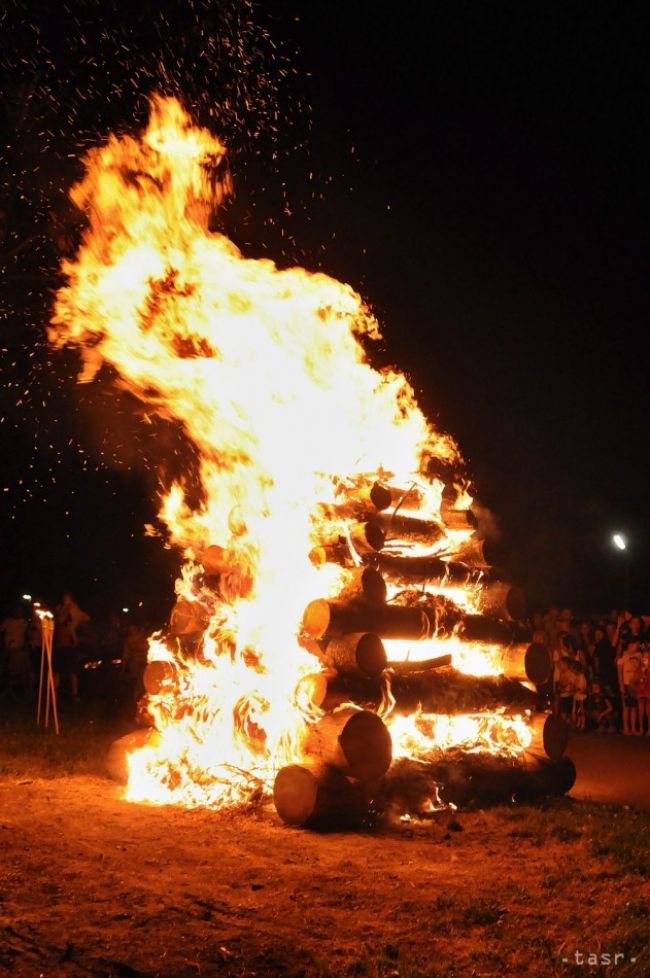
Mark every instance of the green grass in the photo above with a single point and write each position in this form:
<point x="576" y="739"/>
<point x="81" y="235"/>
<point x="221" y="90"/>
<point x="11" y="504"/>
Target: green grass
<point x="28" y="751"/>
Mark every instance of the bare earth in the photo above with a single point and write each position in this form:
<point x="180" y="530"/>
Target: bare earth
<point x="93" y="885"/>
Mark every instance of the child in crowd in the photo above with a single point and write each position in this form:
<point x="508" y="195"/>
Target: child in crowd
<point x="629" y="666"/>
<point x="602" y="710"/>
<point x="571" y="690"/>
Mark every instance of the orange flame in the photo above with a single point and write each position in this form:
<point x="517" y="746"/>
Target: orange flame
<point x="267" y="372"/>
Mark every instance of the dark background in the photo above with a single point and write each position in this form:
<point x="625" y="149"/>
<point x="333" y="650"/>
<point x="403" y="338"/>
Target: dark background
<point x="478" y="171"/>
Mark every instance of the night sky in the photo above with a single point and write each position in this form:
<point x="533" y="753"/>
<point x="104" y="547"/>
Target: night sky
<point x="478" y="171"/>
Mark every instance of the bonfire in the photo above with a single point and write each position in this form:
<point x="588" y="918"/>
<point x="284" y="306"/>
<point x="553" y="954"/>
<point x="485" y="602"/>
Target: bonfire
<point x="339" y="640"/>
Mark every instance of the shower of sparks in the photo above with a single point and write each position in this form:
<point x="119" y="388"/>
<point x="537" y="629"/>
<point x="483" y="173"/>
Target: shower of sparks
<point x="67" y="76"/>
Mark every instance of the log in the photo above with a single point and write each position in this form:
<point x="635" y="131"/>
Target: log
<point x="474" y="552"/>
<point x="410" y="571"/>
<point x="361" y="652"/>
<point x="331" y="553"/>
<point x="318" y="796"/>
<point x="410" y="666"/>
<point x="465" y="779"/>
<point x="366" y="537"/>
<point x="327" y="618"/>
<point x="365" y="584"/>
<point x="529" y="662"/>
<point x="458" y="519"/>
<point x="160" y="676"/>
<point x="361" y="499"/>
<point x="435" y="690"/>
<point x="502" y="600"/>
<point x="312" y="690"/>
<point x="356" y="742"/>
<point x="550" y="735"/>
<point x="435" y="616"/>
<point x="405" y="497"/>
<point x="213" y="560"/>
<point x="408" y="529"/>
<point x="188" y="617"/>
<point x="116" y="763"/>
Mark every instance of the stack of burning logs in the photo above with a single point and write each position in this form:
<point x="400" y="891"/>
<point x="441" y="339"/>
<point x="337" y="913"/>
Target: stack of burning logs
<point x="403" y="581"/>
<point x="400" y="588"/>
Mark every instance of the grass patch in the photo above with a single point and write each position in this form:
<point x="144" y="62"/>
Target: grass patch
<point x="28" y="751"/>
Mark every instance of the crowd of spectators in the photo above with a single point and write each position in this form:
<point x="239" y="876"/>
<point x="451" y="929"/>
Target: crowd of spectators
<point x="601" y="675"/>
<point x="91" y="660"/>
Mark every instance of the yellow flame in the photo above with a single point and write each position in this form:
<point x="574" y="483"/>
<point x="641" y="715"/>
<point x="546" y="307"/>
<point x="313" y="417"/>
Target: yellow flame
<point x="267" y="372"/>
<point x="422" y="734"/>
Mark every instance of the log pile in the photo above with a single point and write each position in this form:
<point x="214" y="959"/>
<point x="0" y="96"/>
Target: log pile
<point x="406" y="565"/>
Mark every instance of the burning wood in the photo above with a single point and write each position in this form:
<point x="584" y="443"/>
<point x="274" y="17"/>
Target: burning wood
<point x="318" y="797"/>
<point x="319" y="490"/>
<point x="434" y="690"/>
<point x="465" y="779"/>
<point x="358" y="652"/>
<point x="354" y="741"/>
<point x="427" y="618"/>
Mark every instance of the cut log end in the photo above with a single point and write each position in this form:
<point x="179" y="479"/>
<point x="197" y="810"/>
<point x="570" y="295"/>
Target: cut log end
<point x="317" y="797"/>
<point x="116" y="764"/>
<point x="538" y="663"/>
<point x="188" y="618"/>
<point x="360" y="652"/>
<point x="355" y="741"/>
<point x="316" y="619"/>
<point x="380" y="496"/>
<point x="159" y="676"/>
<point x="374" y="536"/>
<point x="371" y="655"/>
<point x="367" y="746"/>
<point x="555" y="737"/>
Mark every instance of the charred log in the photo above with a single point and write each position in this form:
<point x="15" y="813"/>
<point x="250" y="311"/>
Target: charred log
<point x="434" y="690"/>
<point x="409" y="529"/>
<point x="458" y="519"/>
<point x="473" y="779"/>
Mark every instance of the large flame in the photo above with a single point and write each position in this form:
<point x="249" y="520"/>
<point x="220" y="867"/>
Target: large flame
<point x="267" y="372"/>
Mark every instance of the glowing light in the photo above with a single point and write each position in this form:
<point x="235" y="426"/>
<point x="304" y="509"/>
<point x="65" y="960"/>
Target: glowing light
<point x="619" y="541"/>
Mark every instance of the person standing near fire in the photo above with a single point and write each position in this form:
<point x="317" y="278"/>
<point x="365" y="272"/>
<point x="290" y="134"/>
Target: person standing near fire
<point x="69" y="620"/>
<point x="629" y="667"/>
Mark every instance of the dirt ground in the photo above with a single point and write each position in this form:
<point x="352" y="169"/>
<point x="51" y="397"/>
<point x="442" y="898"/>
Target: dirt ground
<point x="92" y="885"/>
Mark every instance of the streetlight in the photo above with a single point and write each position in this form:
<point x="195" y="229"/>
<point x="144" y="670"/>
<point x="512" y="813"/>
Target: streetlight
<point x="620" y="542"/>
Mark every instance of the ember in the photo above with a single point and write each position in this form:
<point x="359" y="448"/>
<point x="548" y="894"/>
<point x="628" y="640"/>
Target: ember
<point x="335" y="609"/>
